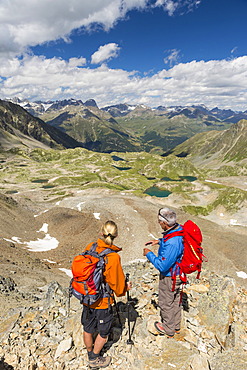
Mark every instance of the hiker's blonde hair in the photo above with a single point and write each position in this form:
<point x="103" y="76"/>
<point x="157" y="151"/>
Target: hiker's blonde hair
<point x="109" y="231"/>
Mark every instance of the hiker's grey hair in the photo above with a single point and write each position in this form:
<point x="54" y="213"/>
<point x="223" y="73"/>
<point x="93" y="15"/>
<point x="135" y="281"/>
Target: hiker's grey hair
<point x="167" y="215"/>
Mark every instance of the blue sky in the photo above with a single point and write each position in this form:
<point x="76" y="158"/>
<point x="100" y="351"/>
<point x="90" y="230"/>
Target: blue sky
<point x="158" y="52"/>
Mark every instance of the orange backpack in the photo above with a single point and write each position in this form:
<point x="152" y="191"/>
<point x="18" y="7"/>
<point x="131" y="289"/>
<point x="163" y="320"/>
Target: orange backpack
<point x="88" y="283"/>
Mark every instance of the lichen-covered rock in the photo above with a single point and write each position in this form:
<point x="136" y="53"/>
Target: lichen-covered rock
<point x="215" y="308"/>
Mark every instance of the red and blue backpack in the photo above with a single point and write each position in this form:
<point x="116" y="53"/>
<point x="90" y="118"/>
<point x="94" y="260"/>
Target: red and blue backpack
<point x="193" y="256"/>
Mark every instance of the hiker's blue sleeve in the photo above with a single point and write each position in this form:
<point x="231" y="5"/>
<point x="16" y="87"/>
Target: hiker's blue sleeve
<point x="168" y="254"/>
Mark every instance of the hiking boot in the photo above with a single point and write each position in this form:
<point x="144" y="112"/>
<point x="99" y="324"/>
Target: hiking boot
<point x="99" y="362"/>
<point x="160" y="328"/>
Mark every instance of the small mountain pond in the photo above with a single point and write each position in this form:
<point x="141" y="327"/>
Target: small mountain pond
<point x="40" y="181"/>
<point x="181" y="178"/>
<point x="157" y="192"/>
<point x="123" y="168"/>
<point x="116" y="158"/>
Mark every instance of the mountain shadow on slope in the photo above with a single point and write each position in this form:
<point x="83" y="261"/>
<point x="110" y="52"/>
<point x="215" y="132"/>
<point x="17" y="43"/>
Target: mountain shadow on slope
<point x="20" y="128"/>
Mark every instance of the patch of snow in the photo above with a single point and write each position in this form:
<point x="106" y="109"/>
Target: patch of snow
<point x="16" y="239"/>
<point x="41" y="213"/>
<point x="97" y="216"/>
<point x="57" y="204"/>
<point x="234" y="222"/>
<point x="152" y="236"/>
<point x="67" y="272"/>
<point x="215" y="182"/>
<point x="79" y="206"/>
<point x="222" y="214"/>
<point x="242" y="274"/>
<point x="11" y="240"/>
<point x="171" y="364"/>
<point x="44" y="228"/>
<point x="42" y="245"/>
<point x="49" y="261"/>
<point x="135" y="210"/>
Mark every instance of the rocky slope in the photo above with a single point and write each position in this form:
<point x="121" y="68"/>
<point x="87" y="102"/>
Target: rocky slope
<point x="18" y="128"/>
<point x="213" y="332"/>
<point x="36" y="332"/>
<point x="225" y="146"/>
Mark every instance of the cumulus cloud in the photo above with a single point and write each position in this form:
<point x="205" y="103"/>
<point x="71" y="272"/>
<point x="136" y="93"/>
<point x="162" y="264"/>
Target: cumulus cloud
<point x="26" y="23"/>
<point x="222" y="83"/>
<point x="104" y="53"/>
<point x="171" y="6"/>
<point x="172" y="58"/>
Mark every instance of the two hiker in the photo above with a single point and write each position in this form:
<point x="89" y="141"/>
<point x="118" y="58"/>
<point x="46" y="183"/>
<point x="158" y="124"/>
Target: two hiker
<point x="98" y="317"/>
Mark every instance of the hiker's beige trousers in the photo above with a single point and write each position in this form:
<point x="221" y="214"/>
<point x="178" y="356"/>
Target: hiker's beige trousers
<point x="169" y="303"/>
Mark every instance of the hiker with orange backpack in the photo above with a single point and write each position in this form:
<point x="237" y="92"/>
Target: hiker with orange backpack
<point x="169" y="253"/>
<point x="98" y="316"/>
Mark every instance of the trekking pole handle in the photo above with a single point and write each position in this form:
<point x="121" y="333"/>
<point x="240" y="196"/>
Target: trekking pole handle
<point x="127" y="281"/>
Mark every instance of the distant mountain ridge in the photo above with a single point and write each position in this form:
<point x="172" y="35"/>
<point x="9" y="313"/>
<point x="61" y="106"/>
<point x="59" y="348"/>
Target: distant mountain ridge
<point x="123" y="109"/>
<point x="130" y="128"/>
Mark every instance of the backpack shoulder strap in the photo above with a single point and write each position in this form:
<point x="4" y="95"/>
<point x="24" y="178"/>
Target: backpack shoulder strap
<point x="91" y="251"/>
<point x="105" y="252"/>
<point x="174" y="233"/>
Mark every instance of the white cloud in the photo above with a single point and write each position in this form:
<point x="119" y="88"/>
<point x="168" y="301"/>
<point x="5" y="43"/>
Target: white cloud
<point x="25" y="23"/>
<point x="104" y="53"/>
<point x="222" y="83"/>
<point x="77" y="62"/>
<point x="172" y="58"/>
<point x="234" y="49"/>
<point x="171" y="6"/>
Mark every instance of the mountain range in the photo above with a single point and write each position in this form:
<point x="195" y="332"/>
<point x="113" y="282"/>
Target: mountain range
<point x="120" y="110"/>
<point x="120" y="128"/>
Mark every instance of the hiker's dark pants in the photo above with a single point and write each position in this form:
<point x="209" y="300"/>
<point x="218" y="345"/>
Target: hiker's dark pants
<point x="170" y="305"/>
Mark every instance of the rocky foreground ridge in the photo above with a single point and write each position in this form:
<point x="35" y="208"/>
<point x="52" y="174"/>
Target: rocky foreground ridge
<point x="213" y="336"/>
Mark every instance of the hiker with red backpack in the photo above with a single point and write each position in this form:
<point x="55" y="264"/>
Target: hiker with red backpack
<point x="179" y="253"/>
<point x="98" y="316"/>
<point x="169" y="253"/>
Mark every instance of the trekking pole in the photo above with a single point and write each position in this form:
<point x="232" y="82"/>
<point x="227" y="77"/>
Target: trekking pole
<point x="117" y="310"/>
<point x="129" y="340"/>
<point x="70" y="294"/>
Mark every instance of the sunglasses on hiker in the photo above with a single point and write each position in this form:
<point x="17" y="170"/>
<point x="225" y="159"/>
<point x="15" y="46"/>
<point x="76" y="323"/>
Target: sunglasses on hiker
<point x="159" y="214"/>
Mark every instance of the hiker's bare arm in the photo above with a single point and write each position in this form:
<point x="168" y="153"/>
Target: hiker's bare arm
<point x="129" y="285"/>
